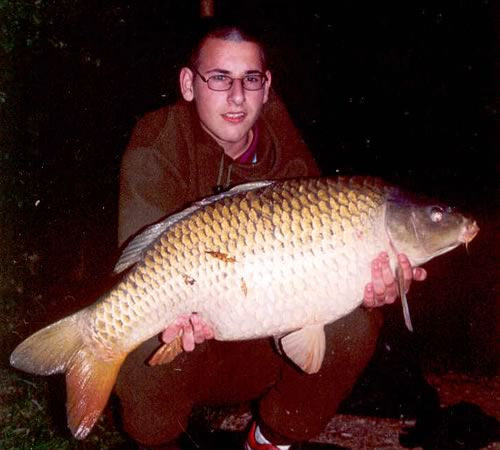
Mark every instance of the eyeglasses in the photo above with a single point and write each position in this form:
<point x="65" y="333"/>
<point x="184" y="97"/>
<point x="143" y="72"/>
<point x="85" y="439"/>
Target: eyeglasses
<point x="251" y="82"/>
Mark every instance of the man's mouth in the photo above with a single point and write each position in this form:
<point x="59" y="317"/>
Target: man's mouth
<point x="235" y="117"/>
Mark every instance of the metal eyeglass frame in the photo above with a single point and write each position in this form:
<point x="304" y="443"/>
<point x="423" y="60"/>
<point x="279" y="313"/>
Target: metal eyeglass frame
<point x="206" y="80"/>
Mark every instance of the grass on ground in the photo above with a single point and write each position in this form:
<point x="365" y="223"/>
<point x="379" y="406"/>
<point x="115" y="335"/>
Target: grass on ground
<point x="28" y="420"/>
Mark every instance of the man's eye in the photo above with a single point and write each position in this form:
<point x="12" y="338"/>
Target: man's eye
<point x="221" y="78"/>
<point x="254" y="79"/>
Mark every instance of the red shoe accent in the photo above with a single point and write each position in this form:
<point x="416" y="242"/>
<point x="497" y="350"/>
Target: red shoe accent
<point x="252" y="444"/>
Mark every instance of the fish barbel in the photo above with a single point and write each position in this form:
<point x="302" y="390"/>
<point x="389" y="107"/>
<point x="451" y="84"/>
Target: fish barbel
<point x="268" y="258"/>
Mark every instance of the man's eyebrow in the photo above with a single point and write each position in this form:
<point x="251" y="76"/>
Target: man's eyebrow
<point x="223" y="71"/>
<point x="228" y="72"/>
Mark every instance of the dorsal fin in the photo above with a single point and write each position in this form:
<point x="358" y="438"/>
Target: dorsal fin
<point x="134" y="250"/>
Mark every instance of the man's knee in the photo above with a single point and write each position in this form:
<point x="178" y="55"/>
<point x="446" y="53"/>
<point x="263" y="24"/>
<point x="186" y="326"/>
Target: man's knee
<point x="153" y="404"/>
<point x="299" y="406"/>
<point x="152" y="425"/>
<point x="355" y="334"/>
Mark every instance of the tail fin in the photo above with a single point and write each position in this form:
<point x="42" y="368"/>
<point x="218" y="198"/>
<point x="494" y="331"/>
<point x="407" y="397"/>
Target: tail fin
<point x="60" y="348"/>
<point x="49" y="350"/>
<point x="89" y="382"/>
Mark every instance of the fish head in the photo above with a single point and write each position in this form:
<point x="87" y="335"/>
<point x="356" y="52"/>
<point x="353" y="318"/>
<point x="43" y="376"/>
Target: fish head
<point x="423" y="229"/>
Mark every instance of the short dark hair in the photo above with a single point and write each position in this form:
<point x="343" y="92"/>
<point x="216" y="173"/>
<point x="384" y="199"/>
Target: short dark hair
<point x="231" y="33"/>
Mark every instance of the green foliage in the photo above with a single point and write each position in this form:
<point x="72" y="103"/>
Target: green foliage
<point x="27" y="415"/>
<point x="26" y="423"/>
<point x="21" y="20"/>
<point x="25" y="24"/>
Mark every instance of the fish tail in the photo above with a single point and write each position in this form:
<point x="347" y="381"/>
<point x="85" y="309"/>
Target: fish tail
<point x="60" y="348"/>
<point x="89" y="382"/>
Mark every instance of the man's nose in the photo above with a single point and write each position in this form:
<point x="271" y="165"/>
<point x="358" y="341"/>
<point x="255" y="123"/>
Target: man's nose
<point x="237" y="94"/>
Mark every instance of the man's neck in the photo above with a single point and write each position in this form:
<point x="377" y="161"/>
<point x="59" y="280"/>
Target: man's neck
<point x="234" y="152"/>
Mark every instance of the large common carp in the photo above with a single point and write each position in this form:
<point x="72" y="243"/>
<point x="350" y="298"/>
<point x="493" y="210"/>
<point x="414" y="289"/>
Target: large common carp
<point x="268" y="258"/>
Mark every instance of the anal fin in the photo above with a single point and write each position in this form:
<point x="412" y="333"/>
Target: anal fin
<point x="167" y="352"/>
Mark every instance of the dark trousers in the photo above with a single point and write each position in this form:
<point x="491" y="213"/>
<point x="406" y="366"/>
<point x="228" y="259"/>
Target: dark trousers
<point x="156" y="402"/>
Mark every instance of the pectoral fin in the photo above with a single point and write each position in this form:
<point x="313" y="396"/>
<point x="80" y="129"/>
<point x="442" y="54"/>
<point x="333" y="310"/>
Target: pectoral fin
<point x="404" y="300"/>
<point x="167" y="352"/>
<point x="306" y="347"/>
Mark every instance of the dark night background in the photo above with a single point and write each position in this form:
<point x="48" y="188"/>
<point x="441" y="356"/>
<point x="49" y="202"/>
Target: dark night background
<point x="405" y="90"/>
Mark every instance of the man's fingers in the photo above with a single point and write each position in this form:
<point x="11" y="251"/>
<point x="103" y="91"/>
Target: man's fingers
<point x="369" y="296"/>
<point x="192" y="329"/>
<point x="377" y="280"/>
<point x="169" y="335"/>
<point x="174" y="329"/>
<point x="419" y="274"/>
<point x="188" y="341"/>
<point x="406" y="269"/>
<point x="391" y="289"/>
<point x="384" y="286"/>
<point x="208" y="331"/>
<point x="387" y="275"/>
<point x="197" y="325"/>
<point x="202" y="331"/>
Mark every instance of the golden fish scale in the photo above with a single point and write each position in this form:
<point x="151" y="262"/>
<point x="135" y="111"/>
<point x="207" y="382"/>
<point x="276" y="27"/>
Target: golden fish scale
<point x="197" y="260"/>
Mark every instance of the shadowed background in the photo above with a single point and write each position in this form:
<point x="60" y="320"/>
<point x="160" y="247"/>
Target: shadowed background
<point x="404" y="90"/>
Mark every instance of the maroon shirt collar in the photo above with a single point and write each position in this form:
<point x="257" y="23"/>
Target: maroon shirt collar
<point x="250" y="152"/>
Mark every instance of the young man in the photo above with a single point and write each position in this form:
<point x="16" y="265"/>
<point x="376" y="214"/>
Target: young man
<point x="228" y="129"/>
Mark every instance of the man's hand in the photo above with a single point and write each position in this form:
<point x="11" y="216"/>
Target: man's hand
<point x="192" y="329"/>
<point x="383" y="288"/>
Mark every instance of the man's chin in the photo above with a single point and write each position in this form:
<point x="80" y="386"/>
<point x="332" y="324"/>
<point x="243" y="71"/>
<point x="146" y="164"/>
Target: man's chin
<point x="230" y="136"/>
<point x="234" y="138"/>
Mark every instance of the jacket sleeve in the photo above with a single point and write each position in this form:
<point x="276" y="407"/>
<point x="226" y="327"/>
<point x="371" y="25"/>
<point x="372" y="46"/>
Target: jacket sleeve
<point x="150" y="186"/>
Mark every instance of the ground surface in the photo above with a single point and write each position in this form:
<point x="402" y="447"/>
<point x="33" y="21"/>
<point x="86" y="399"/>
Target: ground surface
<point x="32" y="411"/>
<point x="355" y="432"/>
<point x="30" y="417"/>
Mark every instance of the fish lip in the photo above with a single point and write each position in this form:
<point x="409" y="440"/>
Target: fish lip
<point x="469" y="232"/>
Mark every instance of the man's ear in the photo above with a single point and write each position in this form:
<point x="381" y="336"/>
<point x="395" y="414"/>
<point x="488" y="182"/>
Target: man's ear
<point x="186" y="80"/>
<point x="267" y="86"/>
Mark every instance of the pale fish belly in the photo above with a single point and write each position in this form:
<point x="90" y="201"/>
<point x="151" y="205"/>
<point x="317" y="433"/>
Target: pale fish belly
<point x="263" y="277"/>
<point x="253" y="292"/>
<point x="262" y="296"/>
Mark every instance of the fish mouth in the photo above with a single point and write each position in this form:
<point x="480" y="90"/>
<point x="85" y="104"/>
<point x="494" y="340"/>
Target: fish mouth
<point x="469" y="232"/>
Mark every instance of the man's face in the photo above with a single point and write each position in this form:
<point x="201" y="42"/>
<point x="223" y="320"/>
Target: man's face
<point x="227" y="116"/>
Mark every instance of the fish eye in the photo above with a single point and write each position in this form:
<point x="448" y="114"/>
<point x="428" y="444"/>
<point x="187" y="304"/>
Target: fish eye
<point x="436" y="214"/>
